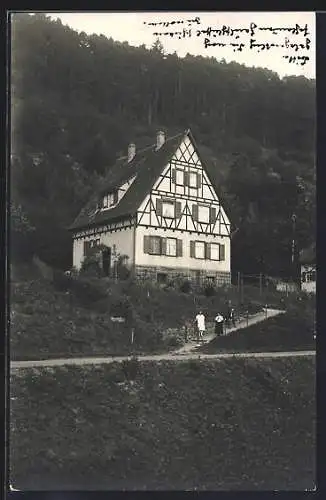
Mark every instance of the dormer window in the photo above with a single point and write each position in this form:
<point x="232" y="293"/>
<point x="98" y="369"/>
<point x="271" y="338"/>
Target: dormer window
<point x="110" y="199"/>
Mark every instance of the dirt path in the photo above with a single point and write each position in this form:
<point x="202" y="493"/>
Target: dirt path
<point x="16" y="365"/>
<point x="185" y="353"/>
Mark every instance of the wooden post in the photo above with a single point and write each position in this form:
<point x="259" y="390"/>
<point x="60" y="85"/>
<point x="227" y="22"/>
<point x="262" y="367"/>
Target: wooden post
<point x="132" y="335"/>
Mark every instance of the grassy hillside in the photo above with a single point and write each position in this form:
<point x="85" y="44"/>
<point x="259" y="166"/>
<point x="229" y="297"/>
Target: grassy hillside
<point x="73" y="317"/>
<point x="228" y="424"/>
<point x="292" y="331"/>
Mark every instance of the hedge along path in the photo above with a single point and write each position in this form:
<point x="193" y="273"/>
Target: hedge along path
<point x="243" y="323"/>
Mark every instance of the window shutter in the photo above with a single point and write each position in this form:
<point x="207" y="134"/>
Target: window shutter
<point x="212" y="215"/>
<point x="178" y="209"/>
<point x="173" y="174"/>
<point x="195" y="212"/>
<point x="159" y="207"/>
<point x="147" y="244"/>
<point x="207" y="250"/>
<point x="198" y="181"/>
<point x="186" y="179"/>
<point x="163" y="246"/>
<point x="222" y="252"/>
<point x="192" y="249"/>
<point x="115" y="197"/>
<point x="179" y="248"/>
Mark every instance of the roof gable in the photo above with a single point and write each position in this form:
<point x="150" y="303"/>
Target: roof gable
<point x="147" y="165"/>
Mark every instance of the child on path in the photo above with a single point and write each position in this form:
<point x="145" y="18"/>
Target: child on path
<point x="200" y="321"/>
<point x="219" y="320"/>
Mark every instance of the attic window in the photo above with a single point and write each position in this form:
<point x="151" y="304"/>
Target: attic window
<point x="110" y="199"/>
<point x="194" y="180"/>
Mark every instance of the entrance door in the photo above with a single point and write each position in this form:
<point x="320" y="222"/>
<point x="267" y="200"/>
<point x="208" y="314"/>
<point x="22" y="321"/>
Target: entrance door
<point x="106" y="261"/>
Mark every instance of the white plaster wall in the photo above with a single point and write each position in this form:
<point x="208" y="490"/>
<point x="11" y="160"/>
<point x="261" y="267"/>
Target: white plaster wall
<point x="149" y="217"/>
<point x="123" y="239"/>
<point x="185" y="261"/>
<point x="309" y="287"/>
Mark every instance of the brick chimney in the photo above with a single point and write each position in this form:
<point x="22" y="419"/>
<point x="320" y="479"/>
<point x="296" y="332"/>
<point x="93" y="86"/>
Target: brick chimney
<point x="160" y="139"/>
<point x="131" y="152"/>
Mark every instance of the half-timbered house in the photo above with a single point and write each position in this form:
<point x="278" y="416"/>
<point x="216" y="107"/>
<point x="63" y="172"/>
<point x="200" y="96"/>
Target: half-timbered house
<point x="161" y="209"/>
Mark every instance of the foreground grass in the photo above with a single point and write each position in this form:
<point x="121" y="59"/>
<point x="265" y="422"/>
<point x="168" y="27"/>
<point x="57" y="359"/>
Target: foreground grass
<point x="285" y="332"/>
<point x="231" y="424"/>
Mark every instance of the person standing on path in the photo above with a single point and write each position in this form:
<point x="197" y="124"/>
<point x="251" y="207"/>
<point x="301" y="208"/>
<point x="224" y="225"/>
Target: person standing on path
<point x="232" y="316"/>
<point x="227" y="313"/>
<point x="219" y="320"/>
<point x="200" y="321"/>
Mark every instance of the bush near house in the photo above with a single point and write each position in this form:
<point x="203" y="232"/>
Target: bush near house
<point x="213" y="425"/>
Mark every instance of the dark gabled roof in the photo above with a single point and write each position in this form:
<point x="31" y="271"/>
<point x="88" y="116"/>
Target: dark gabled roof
<point x="308" y="255"/>
<point x="147" y="166"/>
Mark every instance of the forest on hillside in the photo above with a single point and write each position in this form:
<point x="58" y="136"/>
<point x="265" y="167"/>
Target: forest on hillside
<point x="77" y="100"/>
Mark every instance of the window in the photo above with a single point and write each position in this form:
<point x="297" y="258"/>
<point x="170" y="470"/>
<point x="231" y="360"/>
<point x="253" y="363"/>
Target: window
<point x="199" y="250"/>
<point x="210" y="251"/>
<point x="155" y="245"/>
<point x="90" y="244"/>
<point x="168" y="209"/>
<point x="179" y="178"/>
<point x="203" y="213"/>
<point x="171" y="247"/>
<point x="193" y="181"/>
<point x="215" y="251"/>
<point x="110" y="199"/>
<point x="311" y="276"/>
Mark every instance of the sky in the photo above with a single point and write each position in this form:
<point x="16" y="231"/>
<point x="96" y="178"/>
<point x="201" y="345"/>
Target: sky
<point x="134" y="28"/>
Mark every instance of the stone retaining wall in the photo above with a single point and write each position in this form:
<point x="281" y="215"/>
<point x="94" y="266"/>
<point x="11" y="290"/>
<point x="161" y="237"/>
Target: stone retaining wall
<point x="196" y="277"/>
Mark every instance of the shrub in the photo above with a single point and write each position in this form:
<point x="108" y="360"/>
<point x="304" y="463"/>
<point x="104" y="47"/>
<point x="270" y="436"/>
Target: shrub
<point x="122" y="307"/>
<point x="173" y="341"/>
<point x="87" y="290"/>
<point x="91" y="266"/>
<point x="185" y="286"/>
<point x="209" y="290"/>
<point x="123" y="272"/>
<point x="61" y="281"/>
<point x="131" y="368"/>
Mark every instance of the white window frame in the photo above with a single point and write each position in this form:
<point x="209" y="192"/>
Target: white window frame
<point x="108" y="201"/>
<point x="201" y="243"/>
<point x="182" y="174"/>
<point x="170" y="204"/>
<point x="191" y="176"/>
<point x="201" y="207"/>
<point x="217" y="246"/>
<point x="167" y="247"/>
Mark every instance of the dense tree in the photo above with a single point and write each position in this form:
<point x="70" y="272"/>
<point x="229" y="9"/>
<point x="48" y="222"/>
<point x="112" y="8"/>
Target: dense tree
<point x="78" y="99"/>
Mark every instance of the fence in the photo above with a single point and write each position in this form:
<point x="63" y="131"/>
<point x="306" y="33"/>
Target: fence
<point x="263" y="288"/>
